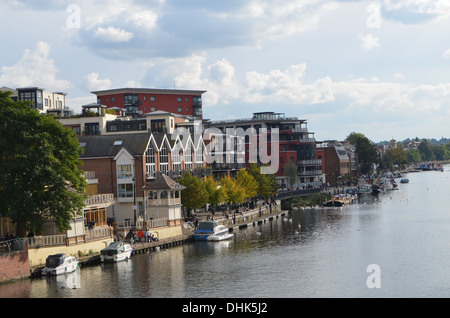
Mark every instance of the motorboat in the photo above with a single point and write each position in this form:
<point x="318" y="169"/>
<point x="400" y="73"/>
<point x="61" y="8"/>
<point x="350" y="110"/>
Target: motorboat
<point x="116" y="252"/>
<point x="340" y="200"/>
<point x="58" y="264"/>
<point x="364" y="189"/>
<point x="210" y="228"/>
<point x="404" y="181"/>
<point x="220" y="237"/>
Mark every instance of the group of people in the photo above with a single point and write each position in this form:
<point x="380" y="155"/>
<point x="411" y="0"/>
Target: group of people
<point x="143" y="237"/>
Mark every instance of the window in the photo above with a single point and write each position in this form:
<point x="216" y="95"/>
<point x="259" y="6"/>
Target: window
<point x="164" y="168"/>
<point x="179" y="99"/>
<point x="76" y="129"/>
<point x="158" y="125"/>
<point x="152" y="98"/>
<point x="180" y="109"/>
<point x="153" y="109"/>
<point x="46" y="102"/>
<point x="113" y="99"/>
<point x="125" y="190"/>
<point x="164" y="155"/>
<point x="124" y="171"/>
<point x="199" y="155"/>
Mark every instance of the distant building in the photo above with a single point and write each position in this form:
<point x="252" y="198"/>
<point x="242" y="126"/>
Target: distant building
<point x="139" y="101"/>
<point x="126" y="163"/>
<point x="42" y="100"/>
<point x="296" y="145"/>
<point x="336" y="161"/>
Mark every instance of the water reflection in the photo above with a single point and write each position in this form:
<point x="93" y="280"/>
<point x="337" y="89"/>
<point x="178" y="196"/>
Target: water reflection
<point x="308" y="253"/>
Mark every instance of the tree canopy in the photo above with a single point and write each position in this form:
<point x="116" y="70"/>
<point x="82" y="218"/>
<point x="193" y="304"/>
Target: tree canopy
<point x="39" y="176"/>
<point x="367" y="152"/>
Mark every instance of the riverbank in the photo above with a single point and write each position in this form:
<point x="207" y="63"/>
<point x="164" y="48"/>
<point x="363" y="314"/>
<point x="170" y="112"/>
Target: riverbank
<point x="235" y="222"/>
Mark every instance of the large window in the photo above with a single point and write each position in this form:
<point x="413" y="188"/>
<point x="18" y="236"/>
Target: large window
<point x="158" y="126"/>
<point x="124" y="171"/>
<point x="164" y="155"/>
<point x="125" y="190"/>
<point x="150" y="161"/>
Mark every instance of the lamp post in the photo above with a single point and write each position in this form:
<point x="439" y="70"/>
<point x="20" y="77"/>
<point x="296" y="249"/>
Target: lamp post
<point x="134" y="199"/>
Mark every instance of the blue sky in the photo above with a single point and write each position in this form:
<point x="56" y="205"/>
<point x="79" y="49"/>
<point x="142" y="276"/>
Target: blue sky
<point x="376" y="67"/>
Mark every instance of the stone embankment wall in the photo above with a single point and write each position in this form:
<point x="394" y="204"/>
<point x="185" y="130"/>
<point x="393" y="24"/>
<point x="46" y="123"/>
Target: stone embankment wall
<point x="14" y="265"/>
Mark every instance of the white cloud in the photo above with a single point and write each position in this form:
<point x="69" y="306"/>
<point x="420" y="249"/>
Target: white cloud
<point x="35" y="68"/>
<point x="446" y="54"/>
<point x="368" y="41"/>
<point x="146" y="19"/>
<point x="93" y="83"/>
<point x="112" y="35"/>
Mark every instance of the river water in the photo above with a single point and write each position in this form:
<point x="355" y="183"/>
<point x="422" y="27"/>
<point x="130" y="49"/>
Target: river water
<point x="397" y="245"/>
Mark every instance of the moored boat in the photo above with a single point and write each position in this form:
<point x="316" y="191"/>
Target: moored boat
<point x="220" y="237"/>
<point x="364" y="189"/>
<point x="116" y="252"/>
<point x="339" y="200"/>
<point x="209" y="228"/>
<point x="404" y="181"/>
<point x="58" y="264"/>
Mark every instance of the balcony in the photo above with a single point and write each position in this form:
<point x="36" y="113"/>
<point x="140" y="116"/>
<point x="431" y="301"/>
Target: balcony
<point x="312" y="162"/>
<point x="310" y="173"/>
<point x="100" y="199"/>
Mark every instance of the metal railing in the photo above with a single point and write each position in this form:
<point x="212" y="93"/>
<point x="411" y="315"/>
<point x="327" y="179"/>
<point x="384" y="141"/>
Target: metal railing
<point x="13" y="245"/>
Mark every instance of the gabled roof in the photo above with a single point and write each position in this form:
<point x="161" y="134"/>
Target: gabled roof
<point x="110" y="145"/>
<point x="164" y="182"/>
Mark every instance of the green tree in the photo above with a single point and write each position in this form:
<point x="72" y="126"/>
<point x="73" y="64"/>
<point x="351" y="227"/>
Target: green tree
<point x="195" y="195"/>
<point x="248" y="183"/>
<point x="413" y="156"/>
<point x="267" y="185"/>
<point x="396" y="156"/>
<point x="290" y="171"/>
<point x="233" y="192"/>
<point x="426" y="150"/>
<point x="367" y="152"/>
<point x="39" y="176"/>
<point x="441" y="152"/>
<point x="214" y="191"/>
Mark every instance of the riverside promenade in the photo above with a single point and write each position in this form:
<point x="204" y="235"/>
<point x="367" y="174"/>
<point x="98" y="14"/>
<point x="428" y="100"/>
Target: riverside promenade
<point x="235" y="221"/>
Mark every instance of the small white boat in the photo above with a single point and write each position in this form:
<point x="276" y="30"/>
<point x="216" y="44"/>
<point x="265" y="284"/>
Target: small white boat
<point x="58" y="264"/>
<point x="210" y="228"/>
<point x="220" y="237"/>
<point x="116" y="252"/>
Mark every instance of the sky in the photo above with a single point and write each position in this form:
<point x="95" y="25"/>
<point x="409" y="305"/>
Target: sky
<point x="380" y="68"/>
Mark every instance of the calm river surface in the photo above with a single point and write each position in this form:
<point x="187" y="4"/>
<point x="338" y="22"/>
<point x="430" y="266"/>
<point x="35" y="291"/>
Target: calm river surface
<point x="316" y="253"/>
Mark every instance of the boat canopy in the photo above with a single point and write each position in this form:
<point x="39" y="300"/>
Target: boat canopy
<point x="113" y="247"/>
<point x="55" y="260"/>
<point x="207" y="225"/>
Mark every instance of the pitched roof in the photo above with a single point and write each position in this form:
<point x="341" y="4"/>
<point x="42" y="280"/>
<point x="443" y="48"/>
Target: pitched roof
<point x="164" y="182"/>
<point x="109" y="145"/>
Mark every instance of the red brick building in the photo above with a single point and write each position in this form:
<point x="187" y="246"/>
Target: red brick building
<point x="139" y="101"/>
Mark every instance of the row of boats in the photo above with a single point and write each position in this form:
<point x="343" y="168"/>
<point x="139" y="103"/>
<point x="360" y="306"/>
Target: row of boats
<point x="59" y="264"/>
<point x="384" y="184"/>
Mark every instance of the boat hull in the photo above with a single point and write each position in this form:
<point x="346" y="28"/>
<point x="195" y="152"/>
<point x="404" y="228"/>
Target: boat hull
<point x="223" y="237"/>
<point x="116" y="257"/>
<point x="60" y="270"/>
